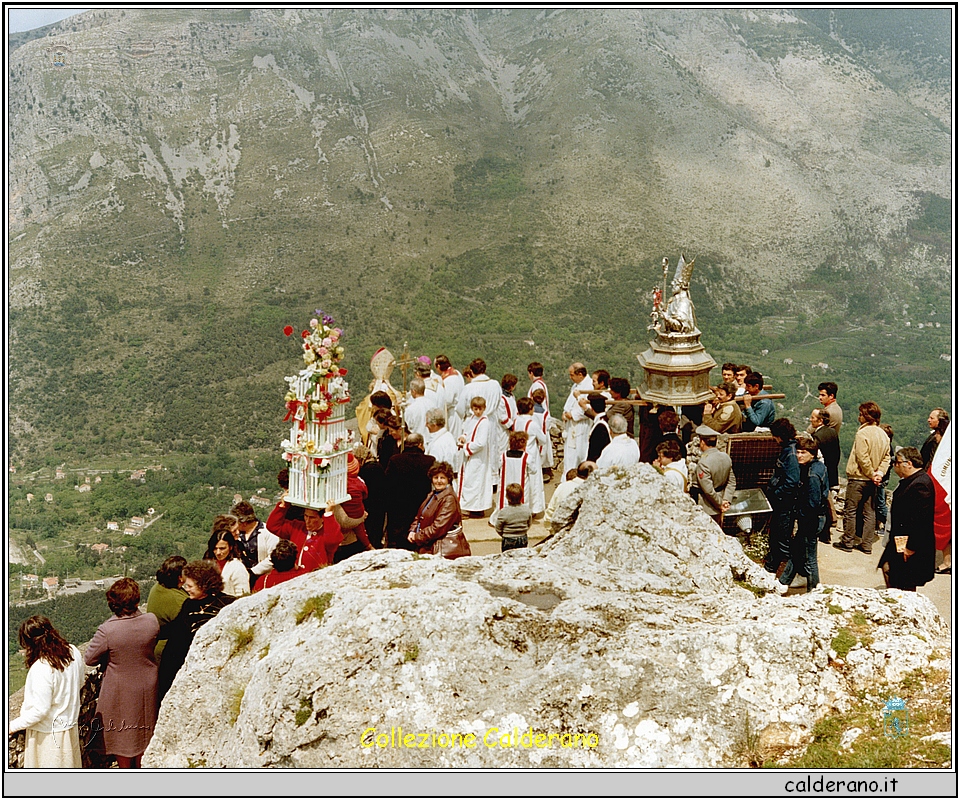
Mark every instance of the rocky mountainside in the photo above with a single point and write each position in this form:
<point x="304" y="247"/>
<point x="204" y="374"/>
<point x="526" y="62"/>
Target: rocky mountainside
<point x="640" y="636"/>
<point x="184" y="183"/>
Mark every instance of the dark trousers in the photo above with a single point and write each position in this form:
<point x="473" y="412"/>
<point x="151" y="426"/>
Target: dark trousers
<point x="859" y="514"/>
<point x="803" y="554"/>
<point x="781" y="532"/>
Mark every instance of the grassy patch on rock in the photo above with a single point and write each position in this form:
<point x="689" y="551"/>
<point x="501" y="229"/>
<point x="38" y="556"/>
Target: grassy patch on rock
<point x="926" y="694"/>
<point x="316" y="605"/>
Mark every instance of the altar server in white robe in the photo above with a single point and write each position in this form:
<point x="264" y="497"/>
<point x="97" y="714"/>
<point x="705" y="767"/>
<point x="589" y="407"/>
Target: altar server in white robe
<point x="451" y="388"/>
<point x="483" y="386"/>
<point x="535" y="372"/>
<point x="576" y="424"/>
<point x="415" y="413"/>
<point x="546" y="422"/>
<point x="508" y="415"/>
<point x="530" y="425"/>
<point x="442" y="446"/>
<point x="515" y="468"/>
<point x="476" y="479"/>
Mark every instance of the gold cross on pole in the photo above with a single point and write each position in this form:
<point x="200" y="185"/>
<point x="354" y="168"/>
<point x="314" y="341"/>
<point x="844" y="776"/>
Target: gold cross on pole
<point x="405" y="363"/>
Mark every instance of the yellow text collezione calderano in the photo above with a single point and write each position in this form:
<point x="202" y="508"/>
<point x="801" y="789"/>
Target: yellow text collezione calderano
<point x="493" y="737"/>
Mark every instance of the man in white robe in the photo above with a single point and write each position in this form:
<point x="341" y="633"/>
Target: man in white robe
<point x="451" y="387"/>
<point x="415" y="413"/>
<point x="483" y="386"/>
<point x="476" y="479"/>
<point x="576" y="424"/>
<point x="623" y="450"/>
<point x="535" y="372"/>
<point x="432" y="383"/>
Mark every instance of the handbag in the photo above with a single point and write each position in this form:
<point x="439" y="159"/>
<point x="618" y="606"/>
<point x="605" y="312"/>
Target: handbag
<point x="453" y="544"/>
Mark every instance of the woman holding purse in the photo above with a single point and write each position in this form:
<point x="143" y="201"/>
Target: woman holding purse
<point x="439" y="518"/>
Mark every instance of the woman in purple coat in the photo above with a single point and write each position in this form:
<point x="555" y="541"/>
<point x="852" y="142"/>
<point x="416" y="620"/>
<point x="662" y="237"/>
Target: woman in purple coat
<point x="124" y="644"/>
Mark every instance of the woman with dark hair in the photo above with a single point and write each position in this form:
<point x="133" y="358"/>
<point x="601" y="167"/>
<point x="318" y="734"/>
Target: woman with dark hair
<point x="123" y="645"/>
<point x="810" y="514"/>
<point x="224" y="550"/>
<point x="782" y="492"/>
<point x="439" y="513"/>
<point x="51" y="697"/>
<point x="284" y="559"/>
<point x="391" y="434"/>
<point x="166" y="596"/>
<point x="205" y="599"/>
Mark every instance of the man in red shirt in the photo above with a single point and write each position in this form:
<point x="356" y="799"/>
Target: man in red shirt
<point x="317" y="536"/>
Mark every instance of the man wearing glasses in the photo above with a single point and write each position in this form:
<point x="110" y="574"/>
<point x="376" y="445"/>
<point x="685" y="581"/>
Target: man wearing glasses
<point x="910" y="555"/>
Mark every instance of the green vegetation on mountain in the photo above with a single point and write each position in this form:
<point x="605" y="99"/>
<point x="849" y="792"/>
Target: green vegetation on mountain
<point x="466" y="182"/>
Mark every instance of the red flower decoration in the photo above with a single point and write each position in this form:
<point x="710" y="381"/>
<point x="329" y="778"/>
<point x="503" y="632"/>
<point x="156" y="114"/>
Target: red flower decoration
<point x="342" y="371"/>
<point x="288" y="330"/>
<point x="305" y="334"/>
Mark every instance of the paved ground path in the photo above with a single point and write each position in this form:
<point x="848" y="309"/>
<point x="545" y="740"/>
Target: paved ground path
<point x="837" y="567"/>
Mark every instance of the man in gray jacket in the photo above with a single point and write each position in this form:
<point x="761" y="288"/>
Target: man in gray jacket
<point x="715" y="476"/>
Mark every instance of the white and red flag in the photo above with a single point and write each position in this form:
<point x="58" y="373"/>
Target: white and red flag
<point x="941" y="470"/>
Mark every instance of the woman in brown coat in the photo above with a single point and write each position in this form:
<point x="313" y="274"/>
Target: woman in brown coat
<point x="439" y="513"/>
<point x="127" y="705"/>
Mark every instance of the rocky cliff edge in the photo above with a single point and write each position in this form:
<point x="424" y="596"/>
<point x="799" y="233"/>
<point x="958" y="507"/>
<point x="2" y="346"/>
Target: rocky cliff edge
<point x="639" y="636"/>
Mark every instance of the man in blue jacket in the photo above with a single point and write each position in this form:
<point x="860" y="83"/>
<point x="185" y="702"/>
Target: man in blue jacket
<point x="758" y="411"/>
<point x="782" y="493"/>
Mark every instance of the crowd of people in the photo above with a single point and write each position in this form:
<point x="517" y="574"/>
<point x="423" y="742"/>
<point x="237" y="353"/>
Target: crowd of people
<point x="464" y="445"/>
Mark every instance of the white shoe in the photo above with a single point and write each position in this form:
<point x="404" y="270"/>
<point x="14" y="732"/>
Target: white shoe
<point x="782" y="589"/>
<point x="798" y="581"/>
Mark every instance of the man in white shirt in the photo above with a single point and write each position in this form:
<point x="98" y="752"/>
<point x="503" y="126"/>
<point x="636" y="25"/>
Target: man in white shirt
<point x="674" y="466"/>
<point x="623" y="450"/>
<point x="415" y="414"/>
<point x="576" y="424"/>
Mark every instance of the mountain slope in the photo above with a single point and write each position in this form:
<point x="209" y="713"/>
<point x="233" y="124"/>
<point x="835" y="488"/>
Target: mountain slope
<point x="191" y="181"/>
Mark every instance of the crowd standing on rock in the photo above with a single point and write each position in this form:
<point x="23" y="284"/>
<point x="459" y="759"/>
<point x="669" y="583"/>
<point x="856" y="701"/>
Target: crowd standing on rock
<point x="461" y="445"/>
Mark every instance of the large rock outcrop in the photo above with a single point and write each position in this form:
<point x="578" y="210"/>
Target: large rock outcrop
<point x="638" y="637"/>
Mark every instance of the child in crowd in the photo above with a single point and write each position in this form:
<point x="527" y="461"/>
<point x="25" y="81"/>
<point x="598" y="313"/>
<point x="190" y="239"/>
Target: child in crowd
<point x="514" y="519"/>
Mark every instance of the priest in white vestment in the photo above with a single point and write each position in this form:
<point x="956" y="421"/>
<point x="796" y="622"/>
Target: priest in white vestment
<point x="451" y="387"/>
<point x="576" y="424"/>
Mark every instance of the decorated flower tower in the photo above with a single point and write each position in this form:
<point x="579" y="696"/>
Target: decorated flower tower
<point x="319" y="441"/>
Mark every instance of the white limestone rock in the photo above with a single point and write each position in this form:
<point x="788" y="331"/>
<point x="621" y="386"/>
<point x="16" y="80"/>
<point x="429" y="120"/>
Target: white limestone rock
<point x="627" y="629"/>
